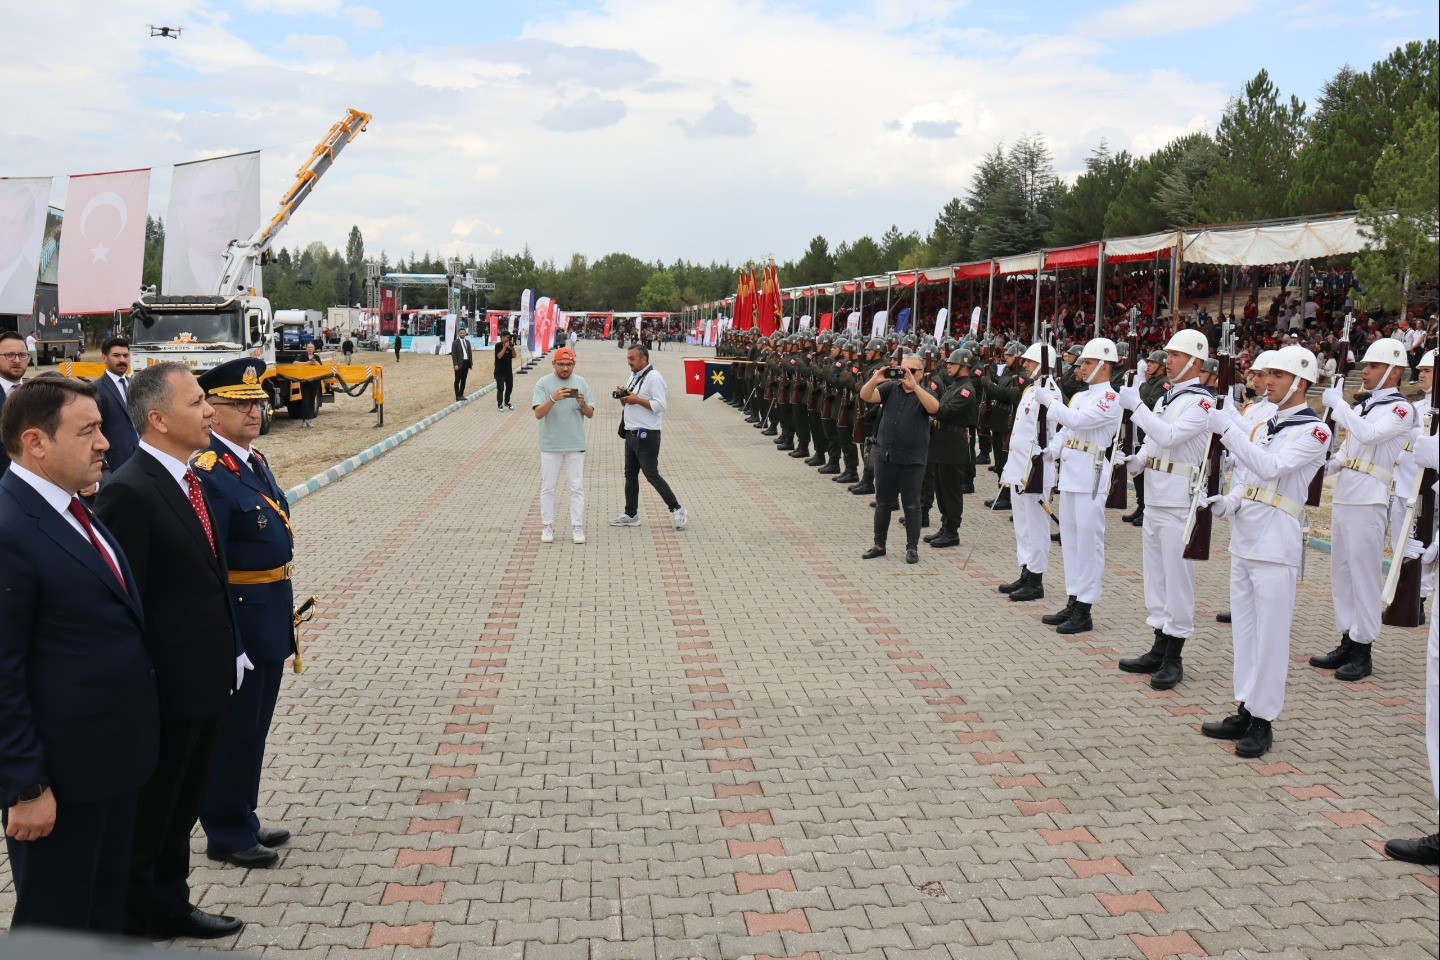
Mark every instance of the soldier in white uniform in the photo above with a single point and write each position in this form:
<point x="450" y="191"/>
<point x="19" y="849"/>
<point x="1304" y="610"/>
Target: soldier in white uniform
<point x="1081" y="447"/>
<point x="1405" y="471"/>
<point x="1426" y="850"/>
<point x="1265" y="502"/>
<point x="1032" y="526"/>
<point x="1253" y="414"/>
<point x="1177" y="435"/>
<point x="1379" y="427"/>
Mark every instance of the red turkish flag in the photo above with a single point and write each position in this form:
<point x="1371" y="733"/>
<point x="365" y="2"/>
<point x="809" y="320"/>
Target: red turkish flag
<point x="102" y="246"/>
<point x="695" y="377"/>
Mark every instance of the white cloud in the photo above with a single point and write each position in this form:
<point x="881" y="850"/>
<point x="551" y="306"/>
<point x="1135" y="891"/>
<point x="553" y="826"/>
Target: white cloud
<point x="590" y="112"/>
<point x="721" y="120"/>
<point x="295" y="8"/>
<point x="1158" y="18"/>
<point x="365" y="18"/>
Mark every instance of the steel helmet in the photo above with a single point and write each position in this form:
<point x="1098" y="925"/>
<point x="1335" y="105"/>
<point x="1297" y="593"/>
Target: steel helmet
<point x="1427" y="362"/>
<point x="1211" y="366"/>
<point x="875" y="344"/>
<point x="1385" y="350"/>
<point x="1192" y="342"/>
<point x="1295" y="360"/>
<point x="1158" y="356"/>
<point x="754" y="331"/>
<point x="1262" y="362"/>
<point x="961" y="358"/>
<point x="1100" y="349"/>
<point x="1013" y="349"/>
<point x="1033" y="353"/>
<point x="910" y="340"/>
<point x="1122" y="348"/>
<point x="1073" y="350"/>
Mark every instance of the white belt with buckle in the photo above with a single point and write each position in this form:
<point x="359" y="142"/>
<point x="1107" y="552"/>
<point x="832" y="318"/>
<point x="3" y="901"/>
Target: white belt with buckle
<point x="1085" y="445"/>
<point x="1271" y="497"/>
<point x="1369" y="469"/>
<point x="1170" y="466"/>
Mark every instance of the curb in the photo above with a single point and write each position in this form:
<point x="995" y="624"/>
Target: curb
<point x="345" y="467"/>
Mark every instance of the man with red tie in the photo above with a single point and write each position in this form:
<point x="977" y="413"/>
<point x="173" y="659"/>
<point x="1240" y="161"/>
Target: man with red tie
<point x="156" y="508"/>
<point x="79" y="709"/>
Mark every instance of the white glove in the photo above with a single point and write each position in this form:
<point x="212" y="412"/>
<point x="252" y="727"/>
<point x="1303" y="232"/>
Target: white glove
<point x="1046" y="396"/>
<point x="1130" y="397"/>
<point x="242" y="663"/>
<point x="1431" y="553"/>
<point x="1221" y="418"/>
<point x="1414" y="549"/>
<point x="1333" y="397"/>
<point x="1332" y="467"/>
<point x="1219" y="506"/>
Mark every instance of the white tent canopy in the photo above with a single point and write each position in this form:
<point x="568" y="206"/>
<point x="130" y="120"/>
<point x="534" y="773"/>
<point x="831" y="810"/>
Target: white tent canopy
<point x="1277" y="243"/>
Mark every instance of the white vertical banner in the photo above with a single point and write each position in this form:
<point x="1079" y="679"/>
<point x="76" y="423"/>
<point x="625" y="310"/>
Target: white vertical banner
<point x="212" y="202"/>
<point x="23" y="204"/>
<point x="852" y="321"/>
<point x="877" y="323"/>
<point x="975" y="321"/>
<point x="941" y="320"/>
<point x="102" y="248"/>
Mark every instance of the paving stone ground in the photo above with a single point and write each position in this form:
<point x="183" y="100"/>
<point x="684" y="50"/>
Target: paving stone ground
<point x="739" y="740"/>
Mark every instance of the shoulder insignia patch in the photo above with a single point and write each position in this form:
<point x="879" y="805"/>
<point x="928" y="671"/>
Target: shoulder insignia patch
<point x="231" y="464"/>
<point x="1400" y="411"/>
<point x="965" y="392"/>
<point x="1205" y="405"/>
<point x="1319" y="434"/>
<point x="206" y="461"/>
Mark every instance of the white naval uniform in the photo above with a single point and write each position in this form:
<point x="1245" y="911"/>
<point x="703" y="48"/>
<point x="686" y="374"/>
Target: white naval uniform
<point x="1265" y="502"/>
<point x="1087" y="428"/>
<point x="1177" y="437"/>
<point x="1378" y="429"/>
<point x="1032" y="526"/>
<point x="1405" y="471"/>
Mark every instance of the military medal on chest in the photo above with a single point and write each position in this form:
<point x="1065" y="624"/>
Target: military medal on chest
<point x="260" y="520"/>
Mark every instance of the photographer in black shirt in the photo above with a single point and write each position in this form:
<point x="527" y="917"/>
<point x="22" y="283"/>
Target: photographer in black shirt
<point x="901" y="448"/>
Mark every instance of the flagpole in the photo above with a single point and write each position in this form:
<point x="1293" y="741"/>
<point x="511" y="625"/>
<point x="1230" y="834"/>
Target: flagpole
<point x="1039" y="269"/>
<point x="1100" y="286"/>
<point x="990" y="300"/>
<point x="950" y="299"/>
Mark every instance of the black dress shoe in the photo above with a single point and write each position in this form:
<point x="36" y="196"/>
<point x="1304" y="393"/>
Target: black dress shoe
<point x="1425" y="851"/>
<point x="1257" y="740"/>
<point x="272" y="837"/>
<point x="1222" y="617"/>
<point x="257" y="857"/>
<point x="865" y="489"/>
<point x="872" y="553"/>
<point x="200" y="925"/>
<point x="912" y="555"/>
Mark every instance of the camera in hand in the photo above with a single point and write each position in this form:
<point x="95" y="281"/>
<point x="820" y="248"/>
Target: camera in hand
<point x="620" y="394"/>
<point x="894" y="373"/>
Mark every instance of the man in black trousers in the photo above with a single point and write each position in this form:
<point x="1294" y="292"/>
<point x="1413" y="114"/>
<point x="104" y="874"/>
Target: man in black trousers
<point x="79" y="708"/>
<point x="504" y="371"/>
<point x="462" y="358"/>
<point x="157" y="510"/>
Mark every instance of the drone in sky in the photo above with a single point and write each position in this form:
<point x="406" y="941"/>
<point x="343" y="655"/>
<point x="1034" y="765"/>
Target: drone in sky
<point x="172" y="32"/>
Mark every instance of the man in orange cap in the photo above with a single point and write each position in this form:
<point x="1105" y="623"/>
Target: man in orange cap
<point x="562" y="405"/>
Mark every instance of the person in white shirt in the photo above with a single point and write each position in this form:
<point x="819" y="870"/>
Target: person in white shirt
<point x="1378" y="428"/>
<point x="642" y="405"/>
<point x="32" y="347"/>
<point x="1265" y="502"/>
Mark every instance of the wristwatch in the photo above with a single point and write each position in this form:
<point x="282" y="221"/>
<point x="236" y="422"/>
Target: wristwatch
<point x="31" y="794"/>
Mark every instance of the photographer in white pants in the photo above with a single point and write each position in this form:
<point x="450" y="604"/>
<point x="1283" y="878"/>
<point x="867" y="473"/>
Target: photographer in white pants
<point x="562" y="405"/>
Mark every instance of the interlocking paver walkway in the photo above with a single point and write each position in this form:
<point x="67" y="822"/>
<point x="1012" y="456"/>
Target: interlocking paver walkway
<point x="740" y="740"/>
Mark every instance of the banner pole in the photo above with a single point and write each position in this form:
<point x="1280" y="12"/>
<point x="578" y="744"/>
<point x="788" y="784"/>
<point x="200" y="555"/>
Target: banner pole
<point x="990" y="300"/>
<point x="1100" y="288"/>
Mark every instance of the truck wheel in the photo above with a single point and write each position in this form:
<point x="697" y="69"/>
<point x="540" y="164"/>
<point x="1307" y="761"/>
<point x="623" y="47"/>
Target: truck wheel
<point x="267" y="417"/>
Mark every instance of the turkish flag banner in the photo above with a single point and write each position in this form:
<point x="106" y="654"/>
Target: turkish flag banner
<point x="102" y="248"/>
<point x="695" y="377"/>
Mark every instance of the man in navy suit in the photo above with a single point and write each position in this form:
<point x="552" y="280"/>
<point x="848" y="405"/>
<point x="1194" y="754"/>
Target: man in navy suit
<point x="252" y="526"/>
<point x="79" y="706"/>
<point x="112" y="392"/>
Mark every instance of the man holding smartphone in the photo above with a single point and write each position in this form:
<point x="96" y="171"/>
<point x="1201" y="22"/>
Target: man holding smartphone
<point x="562" y="404"/>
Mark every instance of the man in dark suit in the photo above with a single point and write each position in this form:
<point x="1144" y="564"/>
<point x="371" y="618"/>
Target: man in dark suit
<point x="14" y="358"/>
<point x="79" y="708"/>
<point x="157" y="511"/>
<point x="112" y="392"/>
<point x="252" y="527"/>
<point x="462" y="358"/>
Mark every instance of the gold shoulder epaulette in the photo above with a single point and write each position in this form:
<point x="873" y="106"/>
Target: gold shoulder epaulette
<point x="206" y="460"/>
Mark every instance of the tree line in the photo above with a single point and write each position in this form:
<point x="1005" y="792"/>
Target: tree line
<point x="1368" y="143"/>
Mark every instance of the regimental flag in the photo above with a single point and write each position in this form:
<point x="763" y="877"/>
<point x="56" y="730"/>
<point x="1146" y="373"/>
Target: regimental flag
<point x="695" y="377"/>
<point x="717" y="379"/>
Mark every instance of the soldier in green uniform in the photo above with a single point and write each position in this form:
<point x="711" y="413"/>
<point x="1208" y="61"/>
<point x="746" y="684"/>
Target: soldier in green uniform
<point x="1070" y="384"/>
<point x="784" y="396"/>
<point x="848" y="401"/>
<point x="828" y="364"/>
<point x="935" y="381"/>
<point x="951" y="458"/>
<point x="874" y="357"/>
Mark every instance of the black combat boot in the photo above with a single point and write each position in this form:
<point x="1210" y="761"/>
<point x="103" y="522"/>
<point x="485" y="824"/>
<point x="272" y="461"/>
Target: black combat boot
<point x="1231" y="728"/>
<point x="1079" y="621"/>
<point x="1425" y="851"/>
<point x="947" y="537"/>
<point x="863" y="489"/>
<point x="1172" y="669"/>
<point x="817" y="460"/>
<point x="1222" y="617"/>
<point x="849" y="476"/>
<point x="1139" y="520"/>
<point x="1337" y="657"/>
<point x="1034" y="590"/>
<point x="1149" y="662"/>
<point x="1002" y="502"/>
<point x="1257" y="740"/>
<point x="770" y="431"/>
<point x="1017" y="584"/>
<point x="1358" y="667"/>
<point x="832" y="466"/>
<point x="801" y="452"/>
<point x="1134" y="515"/>
<point x="1059" y="616"/>
<point x="784" y="443"/>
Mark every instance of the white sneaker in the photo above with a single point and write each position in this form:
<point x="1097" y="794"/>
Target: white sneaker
<point x="625" y="520"/>
<point x="579" y="534"/>
<point x="680" y="516"/>
<point x="547" y="534"/>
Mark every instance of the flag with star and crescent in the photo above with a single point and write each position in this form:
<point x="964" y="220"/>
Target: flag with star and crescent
<point x="705" y="378"/>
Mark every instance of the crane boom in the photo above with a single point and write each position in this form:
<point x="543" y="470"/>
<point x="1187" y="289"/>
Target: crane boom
<point x="242" y="255"/>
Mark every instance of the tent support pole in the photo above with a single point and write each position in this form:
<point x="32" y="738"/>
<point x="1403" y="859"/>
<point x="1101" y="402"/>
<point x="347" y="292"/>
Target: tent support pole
<point x="1039" y="269"/>
<point x="1100" y="288"/>
<point x="990" y="300"/>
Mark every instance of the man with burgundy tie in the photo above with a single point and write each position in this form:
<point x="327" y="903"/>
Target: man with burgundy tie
<point x="156" y="508"/>
<point x="79" y="709"/>
<point x="252" y="529"/>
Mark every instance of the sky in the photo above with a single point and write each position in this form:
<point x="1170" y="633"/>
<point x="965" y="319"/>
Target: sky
<point x="703" y="130"/>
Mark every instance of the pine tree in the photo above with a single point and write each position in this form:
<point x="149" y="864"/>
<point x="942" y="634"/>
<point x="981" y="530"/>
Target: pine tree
<point x="1080" y="216"/>
<point x="1257" y="143"/>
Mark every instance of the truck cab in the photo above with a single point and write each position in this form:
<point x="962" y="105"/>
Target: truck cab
<point x="202" y="331"/>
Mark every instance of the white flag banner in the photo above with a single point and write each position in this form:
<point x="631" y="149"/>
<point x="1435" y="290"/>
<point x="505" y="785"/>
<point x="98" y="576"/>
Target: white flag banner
<point x="805" y="322"/>
<point x="975" y="321"/>
<point x="212" y="202"/>
<point x="941" y="320"/>
<point x="852" y="322"/>
<point x="877" y="323"/>
<point x="22" y="230"/>
<point x="102" y="248"/>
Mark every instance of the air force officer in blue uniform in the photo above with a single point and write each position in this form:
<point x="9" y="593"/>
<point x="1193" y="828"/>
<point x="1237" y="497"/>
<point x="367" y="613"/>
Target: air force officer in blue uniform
<point x="252" y="527"/>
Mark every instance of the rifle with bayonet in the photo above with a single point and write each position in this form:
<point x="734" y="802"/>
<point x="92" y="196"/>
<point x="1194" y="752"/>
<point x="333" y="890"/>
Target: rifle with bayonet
<point x="1206" y="482"/>
<point x="1118" y="498"/>
<point x="1035" y="481"/>
<point x="1342" y="367"/>
<point x="1403" y="603"/>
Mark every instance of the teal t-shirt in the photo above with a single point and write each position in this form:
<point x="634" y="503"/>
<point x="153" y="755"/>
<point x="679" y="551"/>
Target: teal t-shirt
<point x="562" y="430"/>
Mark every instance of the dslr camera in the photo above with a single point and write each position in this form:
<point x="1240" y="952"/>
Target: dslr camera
<point x="620" y="393"/>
